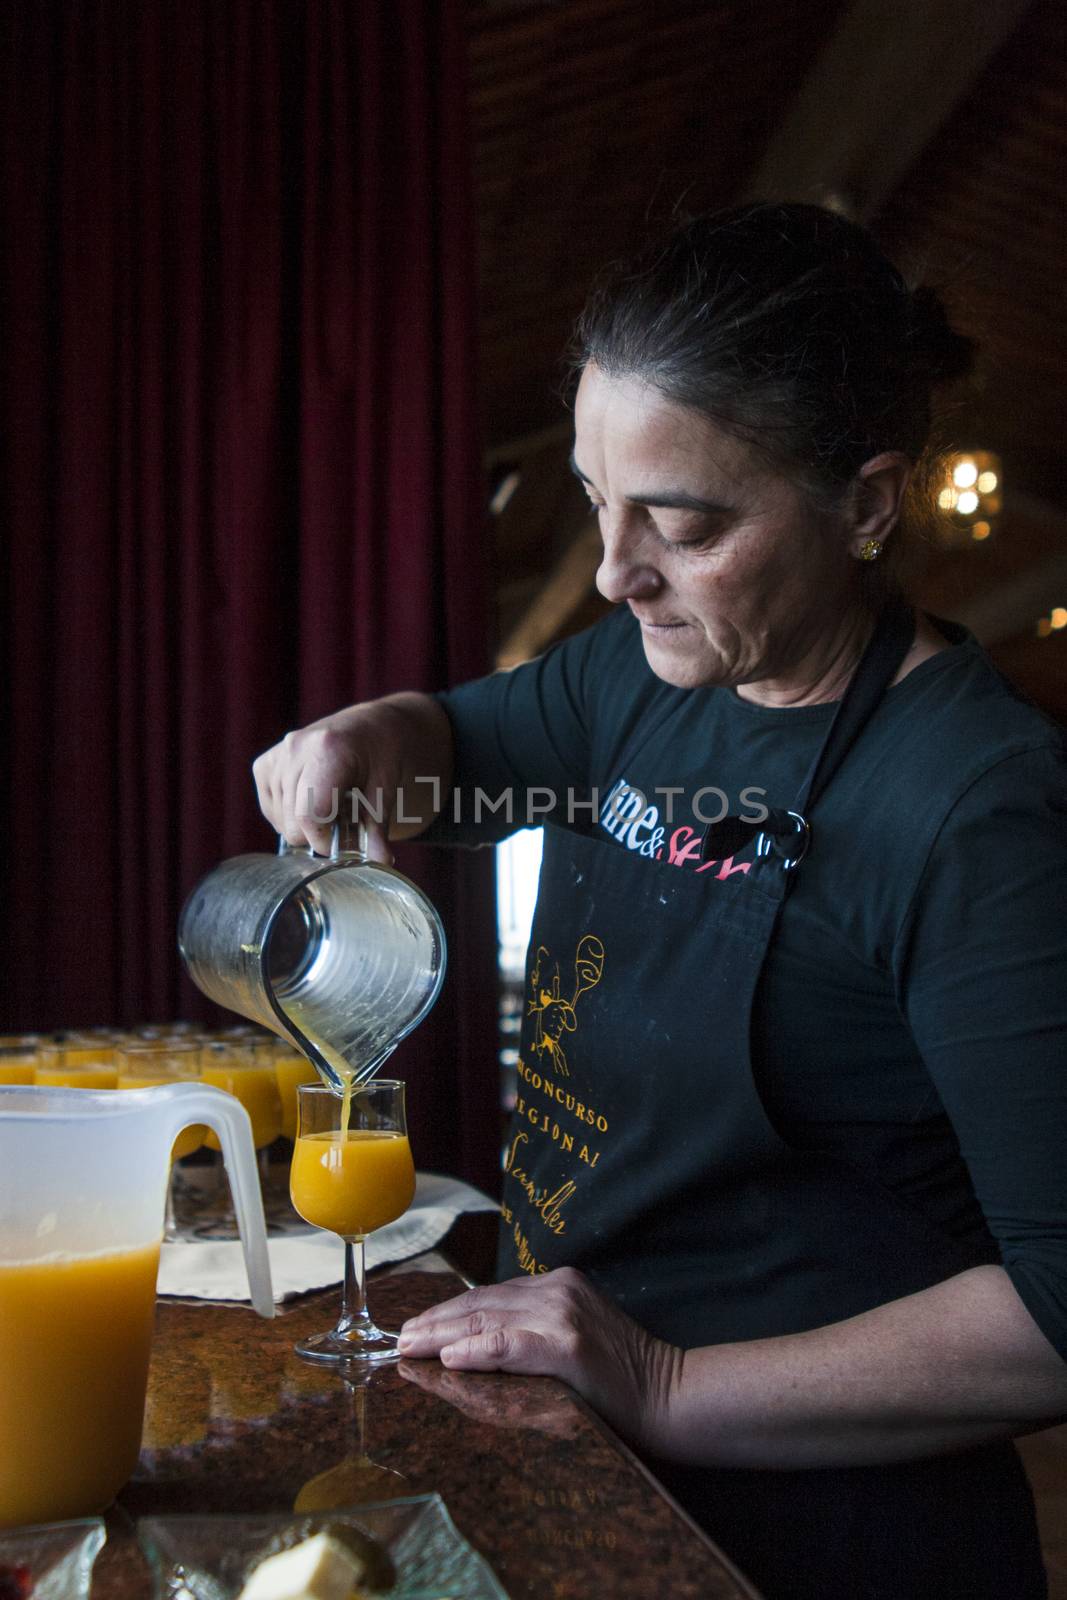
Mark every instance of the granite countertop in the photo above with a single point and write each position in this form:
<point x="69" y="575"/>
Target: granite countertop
<point x="236" y="1422"/>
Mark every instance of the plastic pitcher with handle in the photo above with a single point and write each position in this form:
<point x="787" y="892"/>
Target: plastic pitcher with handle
<point x="83" y="1179"/>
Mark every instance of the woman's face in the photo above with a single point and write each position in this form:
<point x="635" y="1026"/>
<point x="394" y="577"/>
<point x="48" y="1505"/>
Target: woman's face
<point x="734" y="577"/>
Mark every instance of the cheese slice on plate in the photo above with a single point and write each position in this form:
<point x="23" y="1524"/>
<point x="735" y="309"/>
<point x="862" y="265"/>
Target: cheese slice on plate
<point x="319" y="1568"/>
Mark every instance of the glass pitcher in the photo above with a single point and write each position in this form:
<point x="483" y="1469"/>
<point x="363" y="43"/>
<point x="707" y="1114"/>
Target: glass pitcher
<point x="339" y="955"/>
<point x="83" y="1178"/>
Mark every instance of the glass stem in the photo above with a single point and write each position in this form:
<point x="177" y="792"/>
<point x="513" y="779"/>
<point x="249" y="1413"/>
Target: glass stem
<point x="354" y="1313"/>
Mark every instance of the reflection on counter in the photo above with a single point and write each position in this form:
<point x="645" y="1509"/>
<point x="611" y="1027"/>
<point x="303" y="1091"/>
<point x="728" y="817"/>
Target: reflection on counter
<point x="532" y="1480"/>
<point x="357" y="1478"/>
<point x="488" y="1397"/>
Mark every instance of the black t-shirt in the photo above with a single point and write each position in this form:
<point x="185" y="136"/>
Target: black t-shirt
<point x="912" y="1011"/>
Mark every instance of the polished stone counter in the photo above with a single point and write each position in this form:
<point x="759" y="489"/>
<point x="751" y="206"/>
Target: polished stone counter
<point x="237" y="1423"/>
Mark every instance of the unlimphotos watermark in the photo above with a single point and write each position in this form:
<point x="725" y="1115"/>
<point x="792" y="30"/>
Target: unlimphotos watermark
<point x="623" y="808"/>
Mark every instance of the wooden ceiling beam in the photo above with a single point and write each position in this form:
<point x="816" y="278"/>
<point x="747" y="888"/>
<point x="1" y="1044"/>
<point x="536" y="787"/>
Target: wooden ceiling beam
<point x="515" y="452"/>
<point x="545" y="517"/>
<point x="534" y="519"/>
<point x="884" y="84"/>
<point x="556" y="602"/>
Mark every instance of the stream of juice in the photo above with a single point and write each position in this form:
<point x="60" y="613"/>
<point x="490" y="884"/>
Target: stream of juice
<point x="75" y="1334"/>
<point x="345" y="1070"/>
<point x="352" y="1180"/>
<point x="347" y="1074"/>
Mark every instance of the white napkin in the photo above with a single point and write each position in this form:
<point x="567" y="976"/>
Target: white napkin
<point x="214" y="1269"/>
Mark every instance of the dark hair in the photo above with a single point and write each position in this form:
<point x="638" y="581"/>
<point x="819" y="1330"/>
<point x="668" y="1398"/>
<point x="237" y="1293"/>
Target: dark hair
<point x="788" y="327"/>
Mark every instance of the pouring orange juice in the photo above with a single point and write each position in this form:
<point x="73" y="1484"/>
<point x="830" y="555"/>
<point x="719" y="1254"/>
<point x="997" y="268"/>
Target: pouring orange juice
<point x="82" y="1181"/>
<point x="352" y="1172"/>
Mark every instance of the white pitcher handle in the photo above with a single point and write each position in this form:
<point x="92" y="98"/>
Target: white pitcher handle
<point x="192" y="1103"/>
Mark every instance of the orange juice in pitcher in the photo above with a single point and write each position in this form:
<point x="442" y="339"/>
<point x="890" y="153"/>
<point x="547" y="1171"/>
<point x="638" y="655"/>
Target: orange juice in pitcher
<point x="83" y="1175"/>
<point x="74" y="1441"/>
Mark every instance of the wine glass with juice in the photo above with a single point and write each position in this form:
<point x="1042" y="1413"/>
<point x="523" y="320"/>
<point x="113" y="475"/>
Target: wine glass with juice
<point x="352" y="1172"/>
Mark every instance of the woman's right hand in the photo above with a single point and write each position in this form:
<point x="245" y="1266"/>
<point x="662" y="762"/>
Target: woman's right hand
<point x="386" y="749"/>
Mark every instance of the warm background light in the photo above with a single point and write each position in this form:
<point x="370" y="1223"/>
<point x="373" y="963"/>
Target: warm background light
<point x="969" y="497"/>
<point x="1053" y="622"/>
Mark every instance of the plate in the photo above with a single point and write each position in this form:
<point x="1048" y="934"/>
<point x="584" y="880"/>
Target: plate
<point x="206" y="1558"/>
<point x="59" y="1556"/>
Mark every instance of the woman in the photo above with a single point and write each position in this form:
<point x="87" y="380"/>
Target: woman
<point x="785" y="1195"/>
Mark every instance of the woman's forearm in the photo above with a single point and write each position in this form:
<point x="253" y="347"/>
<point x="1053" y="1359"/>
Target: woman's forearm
<point x="955" y="1365"/>
<point x="417" y="727"/>
<point x="391" y="758"/>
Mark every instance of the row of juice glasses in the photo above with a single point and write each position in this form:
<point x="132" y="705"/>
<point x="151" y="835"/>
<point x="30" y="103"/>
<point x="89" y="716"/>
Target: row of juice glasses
<point x="257" y="1069"/>
<point x="352" y="1168"/>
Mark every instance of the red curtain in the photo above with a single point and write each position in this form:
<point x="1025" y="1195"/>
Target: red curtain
<point x="242" y="474"/>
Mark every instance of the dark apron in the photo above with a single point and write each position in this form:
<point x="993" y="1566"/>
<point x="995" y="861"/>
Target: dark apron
<point x="641" y="1153"/>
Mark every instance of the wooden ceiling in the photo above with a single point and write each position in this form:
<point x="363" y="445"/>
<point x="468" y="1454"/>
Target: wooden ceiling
<point x="589" y="117"/>
<point x="943" y="123"/>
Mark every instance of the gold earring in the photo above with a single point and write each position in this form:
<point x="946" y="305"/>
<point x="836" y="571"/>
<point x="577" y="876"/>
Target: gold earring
<point x="871" y="550"/>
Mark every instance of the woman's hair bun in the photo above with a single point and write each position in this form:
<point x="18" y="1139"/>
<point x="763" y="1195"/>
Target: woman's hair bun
<point x="935" y="346"/>
<point x="786" y="324"/>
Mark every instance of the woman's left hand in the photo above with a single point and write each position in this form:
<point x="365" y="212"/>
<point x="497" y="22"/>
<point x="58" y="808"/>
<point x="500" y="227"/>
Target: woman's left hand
<point x="560" y="1326"/>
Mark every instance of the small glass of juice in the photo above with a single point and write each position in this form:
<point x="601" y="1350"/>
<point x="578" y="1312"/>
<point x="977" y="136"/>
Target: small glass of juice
<point x="78" y="1075"/>
<point x="238" y="1066"/>
<point x="352" y="1173"/>
<point x="291" y="1070"/>
<point x="75" y="1049"/>
<point x="251" y="1079"/>
<point x="18" y="1062"/>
